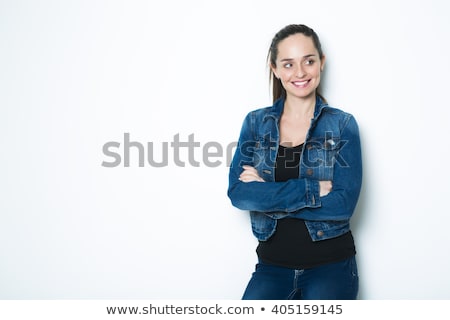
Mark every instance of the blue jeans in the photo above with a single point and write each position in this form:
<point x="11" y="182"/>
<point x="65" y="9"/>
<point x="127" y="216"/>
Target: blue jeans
<point x="333" y="281"/>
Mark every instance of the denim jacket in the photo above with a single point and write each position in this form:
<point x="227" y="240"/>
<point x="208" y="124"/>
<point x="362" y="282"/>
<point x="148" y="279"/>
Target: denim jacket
<point x="331" y="152"/>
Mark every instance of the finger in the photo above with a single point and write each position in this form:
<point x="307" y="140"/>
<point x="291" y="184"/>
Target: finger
<point x="248" y="176"/>
<point x="250" y="168"/>
<point x="246" y="180"/>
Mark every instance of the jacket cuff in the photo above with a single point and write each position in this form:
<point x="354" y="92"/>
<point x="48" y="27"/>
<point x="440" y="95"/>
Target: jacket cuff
<point x="312" y="193"/>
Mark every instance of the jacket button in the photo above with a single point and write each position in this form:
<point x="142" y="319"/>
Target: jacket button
<point x="320" y="233"/>
<point x="309" y="172"/>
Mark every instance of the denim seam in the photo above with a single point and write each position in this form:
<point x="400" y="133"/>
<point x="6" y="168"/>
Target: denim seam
<point x="297" y="274"/>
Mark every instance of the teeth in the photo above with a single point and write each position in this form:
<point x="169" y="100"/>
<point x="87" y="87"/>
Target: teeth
<point x="300" y="83"/>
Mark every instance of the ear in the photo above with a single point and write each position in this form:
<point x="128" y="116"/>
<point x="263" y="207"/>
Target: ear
<point x="273" y="69"/>
<point x="322" y="63"/>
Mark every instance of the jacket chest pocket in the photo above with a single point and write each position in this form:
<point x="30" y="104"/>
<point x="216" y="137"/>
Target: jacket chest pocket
<point x="264" y="153"/>
<point x="319" y="158"/>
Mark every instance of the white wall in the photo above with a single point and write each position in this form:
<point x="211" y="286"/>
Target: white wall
<point x="76" y="75"/>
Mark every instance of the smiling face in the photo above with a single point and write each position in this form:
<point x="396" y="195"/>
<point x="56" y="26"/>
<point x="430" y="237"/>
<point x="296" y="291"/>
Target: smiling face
<point x="298" y="66"/>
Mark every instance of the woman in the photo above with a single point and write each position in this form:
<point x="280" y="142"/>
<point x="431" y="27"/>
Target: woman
<point x="298" y="170"/>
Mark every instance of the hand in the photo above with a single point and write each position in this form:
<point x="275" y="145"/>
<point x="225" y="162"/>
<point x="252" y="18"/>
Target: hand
<point x="325" y="187"/>
<point x="250" y="174"/>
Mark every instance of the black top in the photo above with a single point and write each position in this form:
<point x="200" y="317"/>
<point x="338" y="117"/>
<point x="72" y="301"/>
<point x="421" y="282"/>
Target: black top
<point x="291" y="245"/>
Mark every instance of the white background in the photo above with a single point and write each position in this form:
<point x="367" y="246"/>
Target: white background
<point x="77" y="74"/>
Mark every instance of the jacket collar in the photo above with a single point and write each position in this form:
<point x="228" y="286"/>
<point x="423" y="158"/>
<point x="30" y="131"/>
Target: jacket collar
<point x="277" y="109"/>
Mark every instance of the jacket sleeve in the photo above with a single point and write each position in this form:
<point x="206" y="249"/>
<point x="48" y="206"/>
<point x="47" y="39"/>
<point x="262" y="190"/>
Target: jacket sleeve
<point x="340" y="203"/>
<point x="300" y="197"/>
<point x="290" y="196"/>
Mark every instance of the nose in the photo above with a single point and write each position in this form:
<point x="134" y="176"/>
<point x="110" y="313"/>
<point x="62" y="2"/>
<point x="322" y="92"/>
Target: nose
<point x="300" y="73"/>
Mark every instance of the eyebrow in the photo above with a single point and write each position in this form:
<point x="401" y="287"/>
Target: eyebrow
<point x="304" y="57"/>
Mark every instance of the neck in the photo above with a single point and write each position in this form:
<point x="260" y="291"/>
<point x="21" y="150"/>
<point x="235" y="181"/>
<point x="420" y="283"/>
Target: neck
<point x="300" y="107"/>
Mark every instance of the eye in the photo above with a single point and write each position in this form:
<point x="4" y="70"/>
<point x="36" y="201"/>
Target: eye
<point x="287" y="65"/>
<point x="309" y="61"/>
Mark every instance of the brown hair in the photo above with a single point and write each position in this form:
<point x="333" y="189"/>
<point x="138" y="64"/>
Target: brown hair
<point x="278" y="90"/>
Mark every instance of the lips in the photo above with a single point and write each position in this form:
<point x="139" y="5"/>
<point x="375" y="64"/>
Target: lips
<point x="301" y="84"/>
